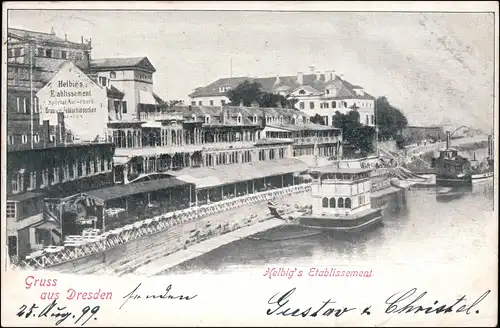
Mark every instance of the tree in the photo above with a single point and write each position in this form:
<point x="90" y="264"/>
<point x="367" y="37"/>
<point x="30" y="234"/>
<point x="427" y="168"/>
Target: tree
<point x="252" y="92"/>
<point x="168" y="105"/>
<point x="354" y="134"/>
<point x="317" y="119"/>
<point x="390" y="120"/>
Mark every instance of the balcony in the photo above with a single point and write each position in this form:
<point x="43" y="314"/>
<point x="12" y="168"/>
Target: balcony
<point x="172" y="149"/>
<point x="157" y="116"/>
<point x="312" y="140"/>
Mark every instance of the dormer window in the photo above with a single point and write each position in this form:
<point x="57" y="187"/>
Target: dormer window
<point x="103" y="81"/>
<point x="302" y="92"/>
<point x="281" y="119"/>
<point x="193" y="117"/>
<point x="327" y="91"/>
<point x="112" y="75"/>
<point x="224" y="89"/>
<point x="239" y="120"/>
<point x="255" y="119"/>
<point x="207" y="119"/>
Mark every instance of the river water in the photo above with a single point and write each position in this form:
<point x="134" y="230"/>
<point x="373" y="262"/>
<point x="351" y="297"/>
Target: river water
<point x="421" y="227"/>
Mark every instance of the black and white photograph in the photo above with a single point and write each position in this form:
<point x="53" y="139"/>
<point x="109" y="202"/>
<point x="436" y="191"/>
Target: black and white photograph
<point x="315" y="149"/>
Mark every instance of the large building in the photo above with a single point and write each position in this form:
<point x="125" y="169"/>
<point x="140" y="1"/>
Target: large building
<point x="43" y="158"/>
<point x="82" y="130"/>
<point x="321" y="93"/>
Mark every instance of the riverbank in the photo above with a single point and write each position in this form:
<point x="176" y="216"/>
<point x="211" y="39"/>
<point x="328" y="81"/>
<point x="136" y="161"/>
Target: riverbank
<point x="204" y="247"/>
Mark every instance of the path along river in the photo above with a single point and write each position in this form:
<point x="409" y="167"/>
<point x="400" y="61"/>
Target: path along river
<point x="425" y="229"/>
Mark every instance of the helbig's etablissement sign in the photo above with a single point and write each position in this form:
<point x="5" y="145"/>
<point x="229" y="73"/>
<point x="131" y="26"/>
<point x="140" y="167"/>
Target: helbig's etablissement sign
<point x="83" y="102"/>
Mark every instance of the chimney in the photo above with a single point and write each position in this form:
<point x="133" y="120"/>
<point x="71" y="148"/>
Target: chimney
<point x="329" y="75"/>
<point x="65" y="37"/>
<point x="82" y="39"/>
<point x="447" y="139"/>
<point x="318" y="75"/>
<point x="300" y="78"/>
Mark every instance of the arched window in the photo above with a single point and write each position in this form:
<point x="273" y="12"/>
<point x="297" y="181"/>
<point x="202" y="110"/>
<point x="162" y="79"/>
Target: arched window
<point x="112" y="75"/>
<point x="134" y="139"/>
<point x="325" y="202"/>
<point x="347" y="203"/>
<point x="332" y="202"/>
<point x="302" y="92"/>
<point x="334" y="104"/>
<point x="340" y="202"/>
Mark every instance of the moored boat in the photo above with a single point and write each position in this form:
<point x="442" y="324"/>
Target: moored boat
<point x="340" y="200"/>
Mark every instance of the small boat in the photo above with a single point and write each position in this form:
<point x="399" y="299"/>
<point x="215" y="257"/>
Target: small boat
<point x="454" y="170"/>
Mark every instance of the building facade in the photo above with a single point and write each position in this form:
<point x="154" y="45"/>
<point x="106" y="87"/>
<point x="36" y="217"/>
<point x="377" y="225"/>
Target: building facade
<point x="321" y="93"/>
<point x="43" y="158"/>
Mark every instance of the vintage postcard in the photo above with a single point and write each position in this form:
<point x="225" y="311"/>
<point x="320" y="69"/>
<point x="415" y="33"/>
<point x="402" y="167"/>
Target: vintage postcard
<point x="249" y="164"/>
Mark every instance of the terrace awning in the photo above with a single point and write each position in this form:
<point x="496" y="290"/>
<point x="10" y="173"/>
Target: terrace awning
<point x="121" y="191"/>
<point x="146" y="98"/>
<point x="207" y="177"/>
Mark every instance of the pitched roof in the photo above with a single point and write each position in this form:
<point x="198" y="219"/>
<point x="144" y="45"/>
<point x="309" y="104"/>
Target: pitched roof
<point x="122" y="62"/>
<point x="40" y="36"/>
<point x="283" y="83"/>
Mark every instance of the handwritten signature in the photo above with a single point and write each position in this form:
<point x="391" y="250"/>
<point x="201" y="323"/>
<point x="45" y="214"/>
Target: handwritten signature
<point x="134" y="295"/>
<point x="61" y="312"/>
<point x="398" y="303"/>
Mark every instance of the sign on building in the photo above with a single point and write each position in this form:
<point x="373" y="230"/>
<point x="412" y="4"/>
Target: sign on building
<point x="83" y="102"/>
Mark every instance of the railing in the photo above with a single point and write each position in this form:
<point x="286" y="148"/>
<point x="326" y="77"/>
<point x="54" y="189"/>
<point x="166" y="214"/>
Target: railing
<point x="153" y="116"/>
<point x="150" y="226"/>
<point x="312" y="140"/>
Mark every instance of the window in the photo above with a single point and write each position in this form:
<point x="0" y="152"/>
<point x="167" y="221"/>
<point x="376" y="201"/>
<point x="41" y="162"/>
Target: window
<point x="48" y="53"/>
<point x="372" y="119"/>
<point x="340" y="202"/>
<point x="327" y="91"/>
<point x="45" y="178"/>
<point x="112" y="75"/>
<point x="301" y="105"/>
<point x="15" y="186"/>
<point x="78" y="56"/>
<point x="32" y="180"/>
<point x="347" y="203"/>
<point x="302" y="92"/>
<point x="332" y="202"/>
<point x="223" y="102"/>
<point x="193" y="103"/>
<point x="124" y="107"/>
<point x="25" y="106"/>
<point x="18" y="100"/>
<point x="367" y="120"/>
<point x="52" y="138"/>
<point x="311" y="105"/>
<point x="325" y="202"/>
<point x="10" y="210"/>
<point x="326" y="105"/>
<point x="24" y="138"/>
<point x="64" y="54"/>
<point x="102" y="81"/>
<point x="239" y="118"/>
<point x="11" y="139"/>
<point x="55" y="177"/>
<point x="35" y="105"/>
<point x="40" y="52"/>
<point x="200" y="103"/>
<point x="207" y="119"/>
<point x="36" y="138"/>
<point x="211" y="102"/>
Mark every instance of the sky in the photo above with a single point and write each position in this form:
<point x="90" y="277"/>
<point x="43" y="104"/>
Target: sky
<point x="437" y="68"/>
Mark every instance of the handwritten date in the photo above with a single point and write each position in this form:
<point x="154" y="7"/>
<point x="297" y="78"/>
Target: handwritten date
<point x="61" y="313"/>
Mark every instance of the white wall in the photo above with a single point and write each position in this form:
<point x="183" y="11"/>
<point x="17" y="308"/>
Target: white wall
<point x="217" y="100"/>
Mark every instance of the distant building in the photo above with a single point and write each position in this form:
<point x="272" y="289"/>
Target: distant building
<point x="321" y="93"/>
<point x="424" y="132"/>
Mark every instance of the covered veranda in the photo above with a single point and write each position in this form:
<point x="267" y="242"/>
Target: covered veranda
<point x="130" y="203"/>
<point x="219" y="183"/>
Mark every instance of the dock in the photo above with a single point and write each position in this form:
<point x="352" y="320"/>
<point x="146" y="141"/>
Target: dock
<point x="170" y="261"/>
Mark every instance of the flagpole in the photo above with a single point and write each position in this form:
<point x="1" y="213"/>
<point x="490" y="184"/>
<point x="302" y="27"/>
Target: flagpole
<point x="31" y="94"/>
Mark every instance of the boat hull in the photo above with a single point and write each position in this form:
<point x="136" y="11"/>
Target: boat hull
<point x="482" y="176"/>
<point x="347" y="224"/>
